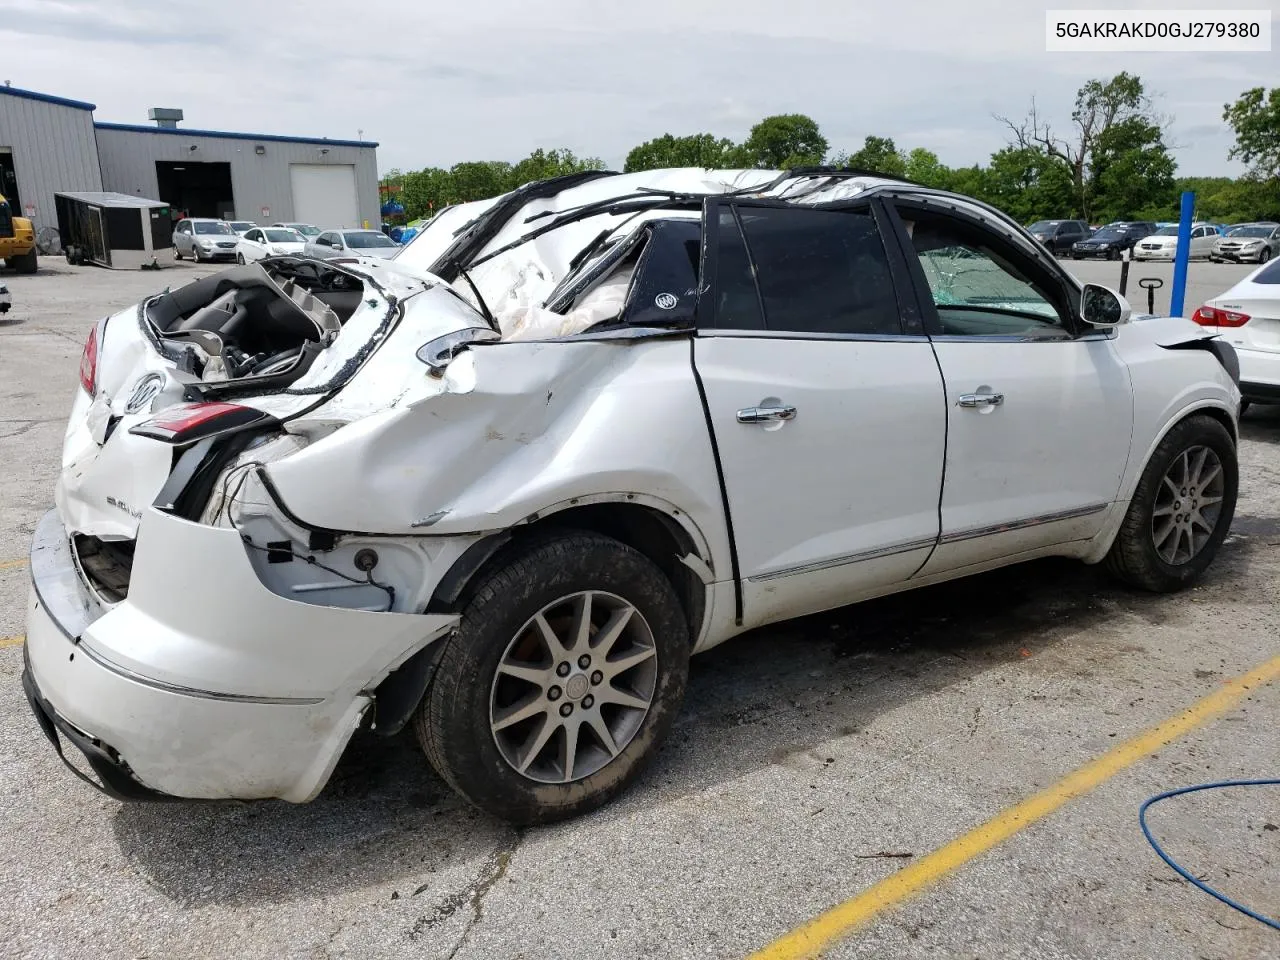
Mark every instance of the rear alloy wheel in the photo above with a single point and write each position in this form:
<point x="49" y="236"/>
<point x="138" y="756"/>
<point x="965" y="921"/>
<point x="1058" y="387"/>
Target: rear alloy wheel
<point x="565" y="673"/>
<point x="177" y="254"/>
<point x="1181" y="510"/>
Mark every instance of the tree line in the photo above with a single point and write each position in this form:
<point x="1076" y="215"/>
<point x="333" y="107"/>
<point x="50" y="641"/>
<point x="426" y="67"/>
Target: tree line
<point x="1112" y="161"/>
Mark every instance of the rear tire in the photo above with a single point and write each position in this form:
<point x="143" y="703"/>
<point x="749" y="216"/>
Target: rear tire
<point x="177" y="254"/>
<point x="1163" y="543"/>
<point x="478" y="723"/>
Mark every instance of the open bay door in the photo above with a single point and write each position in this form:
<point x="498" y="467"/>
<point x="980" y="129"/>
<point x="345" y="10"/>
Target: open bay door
<point x="325" y="194"/>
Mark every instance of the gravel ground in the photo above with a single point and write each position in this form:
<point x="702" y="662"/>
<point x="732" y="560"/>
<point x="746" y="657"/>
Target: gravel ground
<point x="804" y="751"/>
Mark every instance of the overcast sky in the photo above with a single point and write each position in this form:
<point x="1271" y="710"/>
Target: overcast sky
<point x="437" y="83"/>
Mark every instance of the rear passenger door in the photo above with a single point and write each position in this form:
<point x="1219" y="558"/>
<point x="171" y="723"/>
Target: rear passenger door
<point x="825" y="402"/>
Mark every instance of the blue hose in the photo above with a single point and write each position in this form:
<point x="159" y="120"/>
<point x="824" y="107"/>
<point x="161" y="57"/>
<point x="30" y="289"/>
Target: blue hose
<point x="1142" y="819"/>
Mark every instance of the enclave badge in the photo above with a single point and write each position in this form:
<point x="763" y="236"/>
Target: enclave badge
<point x="144" y="391"/>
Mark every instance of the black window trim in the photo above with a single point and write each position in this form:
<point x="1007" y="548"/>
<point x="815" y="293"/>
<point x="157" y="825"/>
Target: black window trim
<point x="910" y="313"/>
<point x="1074" y="327"/>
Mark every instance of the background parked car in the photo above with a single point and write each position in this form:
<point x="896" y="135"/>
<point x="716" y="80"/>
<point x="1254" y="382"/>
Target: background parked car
<point x="267" y="242"/>
<point x="308" y="230"/>
<point x="1163" y="244"/>
<point x="1248" y="317"/>
<point x="1256" y="242"/>
<point x="1059" y="235"/>
<point x="204" y="239"/>
<point x="1111" y="241"/>
<point x="241" y="226"/>
<point x="355" y="243"/>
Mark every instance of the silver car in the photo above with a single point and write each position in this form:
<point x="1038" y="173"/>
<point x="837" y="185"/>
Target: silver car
<point x="1248" y="243"/>
<point x="351" y="243"/>
<point x="203" y="239"/>
<point x="308" y="230"/>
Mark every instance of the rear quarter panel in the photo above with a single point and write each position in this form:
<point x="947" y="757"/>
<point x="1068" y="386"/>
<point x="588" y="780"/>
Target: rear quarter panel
<point x="521" y="428"/>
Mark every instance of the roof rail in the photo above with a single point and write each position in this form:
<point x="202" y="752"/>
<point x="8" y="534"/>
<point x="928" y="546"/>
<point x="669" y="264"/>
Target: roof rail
<point x="849" y="172"/>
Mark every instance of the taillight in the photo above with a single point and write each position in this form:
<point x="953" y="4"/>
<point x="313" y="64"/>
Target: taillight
<point x="1208" y="316"/>
<point x="89" y="361"/>
<point x="188" y="422"/>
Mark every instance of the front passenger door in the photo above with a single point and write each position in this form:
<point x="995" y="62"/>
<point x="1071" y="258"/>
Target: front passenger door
<point x="827" y="410"/>
<point x="1039" y="408"/>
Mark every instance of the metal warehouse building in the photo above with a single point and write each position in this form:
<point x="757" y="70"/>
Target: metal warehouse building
<point x="49" y="144"/>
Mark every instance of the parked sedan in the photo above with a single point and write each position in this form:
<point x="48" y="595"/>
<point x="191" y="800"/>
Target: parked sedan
<point x="308" y="230"/>
<point x="1248" y="317"/>
<point x="204" y="239"/>
<point x="1110" y="242"/>
<point x="267" y="242"/>
<point x="1247" y="242"/>
<point x="352" y="243"/>
<point x="1163" y="244"/>
<point x="300" y="497"/>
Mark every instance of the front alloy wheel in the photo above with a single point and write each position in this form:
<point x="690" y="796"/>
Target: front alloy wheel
<point x="1188" y="505"/>
<point x="1181" y="509"/>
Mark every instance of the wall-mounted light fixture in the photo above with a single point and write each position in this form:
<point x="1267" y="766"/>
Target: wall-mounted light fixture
<point x="323" y="151"/>
<point x="194" y="146"/>
<point x="259" y="149"/>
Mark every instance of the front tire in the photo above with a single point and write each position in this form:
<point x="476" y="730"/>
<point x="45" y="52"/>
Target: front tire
<point x="565" y="674"/>
<point x="1264" y="255"/>
<point x="24" y="263"/>
<point x="1181" y="510"/>
<point x="177" y="254"/>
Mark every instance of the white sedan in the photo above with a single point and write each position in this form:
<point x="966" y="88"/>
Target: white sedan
<point x="1248" y="317"/>
<point x="500" y="488"/>
<point x="268" y="242"/>
<point x="1163" y="244"/>
<point x="351" y="243"/>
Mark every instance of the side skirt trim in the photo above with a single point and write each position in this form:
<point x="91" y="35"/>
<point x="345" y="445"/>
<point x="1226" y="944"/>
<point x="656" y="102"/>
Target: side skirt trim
<point x="876" y="554"/>
<point x="975" y="532"/>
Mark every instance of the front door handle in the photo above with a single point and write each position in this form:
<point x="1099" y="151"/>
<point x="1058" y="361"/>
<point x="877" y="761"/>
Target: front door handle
<point x="981" y="399"/>
<point x="766" y="414"/>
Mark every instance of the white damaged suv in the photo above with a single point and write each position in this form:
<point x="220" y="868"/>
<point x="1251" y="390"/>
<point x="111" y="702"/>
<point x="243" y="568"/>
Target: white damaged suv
<point x="501" y="487"/>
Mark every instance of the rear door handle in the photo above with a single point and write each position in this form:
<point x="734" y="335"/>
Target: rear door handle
<point x="981" y="399"/>
<point x="766" y="414"/>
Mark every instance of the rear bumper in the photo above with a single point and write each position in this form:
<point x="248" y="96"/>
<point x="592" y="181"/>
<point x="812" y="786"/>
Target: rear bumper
<point x="112" y="683"/>
<point x="1259" y="375"/>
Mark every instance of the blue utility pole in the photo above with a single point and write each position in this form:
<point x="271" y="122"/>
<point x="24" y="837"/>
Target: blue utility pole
<point x="1183" y="255"/>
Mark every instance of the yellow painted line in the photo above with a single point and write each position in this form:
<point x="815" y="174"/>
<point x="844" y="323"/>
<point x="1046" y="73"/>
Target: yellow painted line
<point x="815" y="936"/>
<point x="9" y="564"/>
<point x="11" y="641"/>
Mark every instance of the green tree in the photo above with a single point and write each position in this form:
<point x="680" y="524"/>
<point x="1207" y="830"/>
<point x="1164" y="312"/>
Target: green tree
<point x="879" y="154"/>
<point x="696" y="150"/>
<point x="1027" y="184"/>
<point x="923" y="166"/>
<point x="1103" y="108"/>
<point x="1255" y="118"/>
<point x="783" y="141"/>
<point x="545" y="164"/>
<point x="478" y="179"/>
<point x="1131" y="176"/>
<point x="426" y="192"/>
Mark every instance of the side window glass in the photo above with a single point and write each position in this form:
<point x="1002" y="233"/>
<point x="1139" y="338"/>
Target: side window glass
<point x="978" y="289"/>
<point x="737" y="305"/>
<point x="821" y="271"/>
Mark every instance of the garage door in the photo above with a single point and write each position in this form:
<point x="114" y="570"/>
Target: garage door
<point x="325" y="194"/>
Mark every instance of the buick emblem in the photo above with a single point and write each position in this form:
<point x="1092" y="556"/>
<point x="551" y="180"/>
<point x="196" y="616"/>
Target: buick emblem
<point x="666" y="301"/>
<point x="144" y="392"/>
